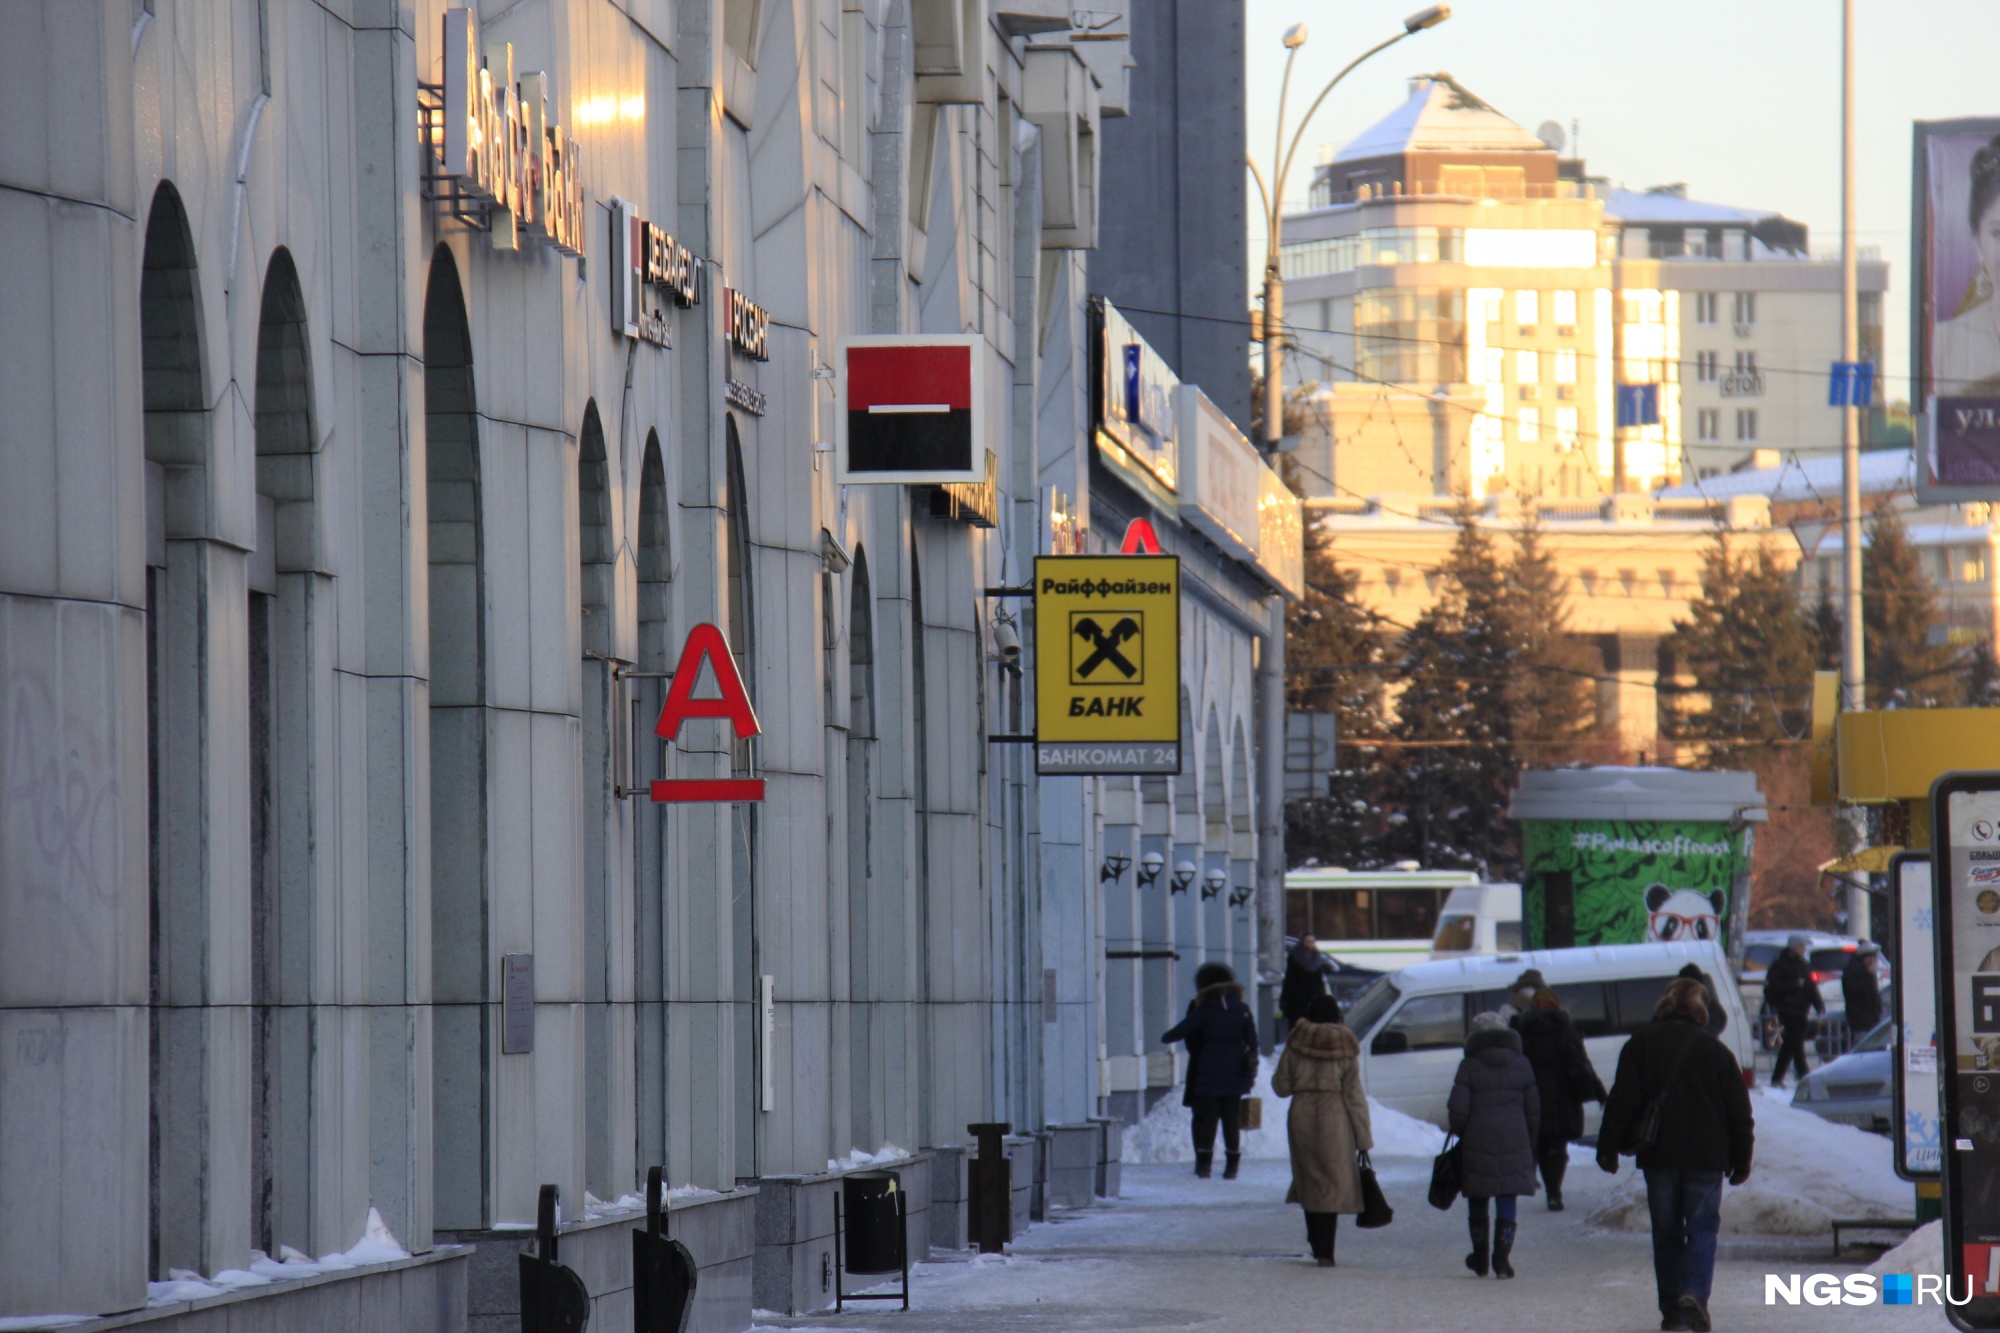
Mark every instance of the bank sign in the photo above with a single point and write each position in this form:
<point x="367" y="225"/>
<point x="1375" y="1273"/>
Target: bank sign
<point x="500" y="146"/>
<point x="651" y="273"/>
<point x="1592" y="881"/>
<point x="1107" y="664"/>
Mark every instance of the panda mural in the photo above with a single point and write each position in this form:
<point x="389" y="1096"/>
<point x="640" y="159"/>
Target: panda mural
<point x="1679" y="915"/>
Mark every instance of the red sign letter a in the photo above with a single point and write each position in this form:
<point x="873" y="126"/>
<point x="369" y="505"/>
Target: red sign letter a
<point x="706" y="644"/>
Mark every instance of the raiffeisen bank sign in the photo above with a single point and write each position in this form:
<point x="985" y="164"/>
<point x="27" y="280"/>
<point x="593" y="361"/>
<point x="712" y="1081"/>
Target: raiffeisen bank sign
<point x="501" y="146"/>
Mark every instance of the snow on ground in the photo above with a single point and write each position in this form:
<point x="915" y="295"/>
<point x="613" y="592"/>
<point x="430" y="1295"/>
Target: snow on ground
<point x="1804" y="1172"/>
<point x="1923" y="1252"/>
<point x="1166" y="1134"/>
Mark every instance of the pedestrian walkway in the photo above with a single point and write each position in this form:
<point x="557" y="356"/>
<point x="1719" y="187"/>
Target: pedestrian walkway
<point x="1224" y="1256"/>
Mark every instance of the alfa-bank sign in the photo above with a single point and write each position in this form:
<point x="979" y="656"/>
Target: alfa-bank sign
<point x="501" y="145"/>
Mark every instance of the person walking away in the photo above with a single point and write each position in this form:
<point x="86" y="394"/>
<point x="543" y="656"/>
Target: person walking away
<point x="1704" y="1132"/>
<point x="1793" y="995"/>
<point x="1306" y="970"/>
<point x="1496" y="1110"/>
<point x="1221" y="1037"/>
<point x="1564" y="1079"/>
<point x="1717" y="1018"/>
<point x="1862" y="991"/>
<point x="1328" y="1124"/>
<point x="1521" y="995"/>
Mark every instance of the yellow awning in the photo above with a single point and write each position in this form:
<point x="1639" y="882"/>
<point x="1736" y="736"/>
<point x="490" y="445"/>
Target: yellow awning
<point x="1871" y="860"/>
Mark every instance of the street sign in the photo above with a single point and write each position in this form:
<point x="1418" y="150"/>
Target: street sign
<point x="1107" y="664"/>
<point x="1913" y="996"/>
<point x="1309" y="754"/>
<point x="1965" y="823"/>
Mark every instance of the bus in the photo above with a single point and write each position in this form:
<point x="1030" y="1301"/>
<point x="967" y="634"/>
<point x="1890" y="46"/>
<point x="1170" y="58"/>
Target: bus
<point x="1382" y="919"/>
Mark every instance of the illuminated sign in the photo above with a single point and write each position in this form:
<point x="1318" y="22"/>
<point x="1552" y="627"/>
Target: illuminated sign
<point x="1135" y="398"/>
<point x="910" y="409"/>
<point x="746" y="325"/>
<point x="1107" y="664"/>
<point x="500" y="145"/>
<point x="706" y="646"/>
<point x="645" y="258"/>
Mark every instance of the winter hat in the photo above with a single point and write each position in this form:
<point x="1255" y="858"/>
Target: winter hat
<point x="1213" y="974"/>
<point x="1323" y="1009"/>
<point x="1488" y="1022"/>
<point x="1797" y="942"/>
<point x="1869" y="948"/>
<point x="1530" y="980"/>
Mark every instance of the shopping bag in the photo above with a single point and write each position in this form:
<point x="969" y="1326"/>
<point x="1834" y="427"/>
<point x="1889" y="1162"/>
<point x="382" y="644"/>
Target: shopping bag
<point x="1252" y="1116"/>
<point x="1375" y="1209"/>
<point x="1447" y="1171"/>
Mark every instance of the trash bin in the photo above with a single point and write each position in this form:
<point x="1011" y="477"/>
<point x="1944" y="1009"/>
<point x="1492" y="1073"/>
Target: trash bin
<point x="873" y="1204"/>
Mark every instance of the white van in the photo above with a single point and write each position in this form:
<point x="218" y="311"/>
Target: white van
<point x="1412" y="1024"/>
<point x="1479" y="918"/>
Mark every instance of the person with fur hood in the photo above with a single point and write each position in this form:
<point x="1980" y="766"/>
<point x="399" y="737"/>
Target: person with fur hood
<point x="1328" y="1123"/>
<point x="1496" y="1111"/>
<point x="1221" y="1037"/>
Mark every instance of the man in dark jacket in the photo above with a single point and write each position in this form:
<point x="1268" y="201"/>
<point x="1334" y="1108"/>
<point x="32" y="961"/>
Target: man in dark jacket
<point x="1221" y="1037"/>
<point x="1565" y="1079"/>
<point x="1793" y="995"/>
<point x="1862" y="991"/>
<point x="1306" y="970"/>
<point x="1717" y="1019"/>
<point x="1704" y="1132"/>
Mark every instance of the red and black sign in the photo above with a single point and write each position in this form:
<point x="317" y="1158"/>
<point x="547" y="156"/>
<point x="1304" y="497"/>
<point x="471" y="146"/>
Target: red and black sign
<point x="911" y="410"/>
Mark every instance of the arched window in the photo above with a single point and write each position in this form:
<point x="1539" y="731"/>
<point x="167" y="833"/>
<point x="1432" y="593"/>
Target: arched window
<point x="460" y="965"/>
<point x="649" y="826"/>
<point x="868" y="1041"/>
<point x="738" y="611"/>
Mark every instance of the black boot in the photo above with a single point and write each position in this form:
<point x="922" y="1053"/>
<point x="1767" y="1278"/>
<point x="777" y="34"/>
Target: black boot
<point x="1476" y="1261"/>
<point x="1332" y="1234"/>
<point x="1319" y="1236"/>
<point x="1230" y="1161"/>
<point x="1202" y="1162"/>
<point x="1503" y="1245"/>
<point x="1555" y="1165"/>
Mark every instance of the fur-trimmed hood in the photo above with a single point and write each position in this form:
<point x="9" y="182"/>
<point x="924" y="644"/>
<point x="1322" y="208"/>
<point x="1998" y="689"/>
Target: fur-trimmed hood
<point x="1221" y="990"/>
<point x="1323" y="1041"/>
<point x="1500" y="1042"/>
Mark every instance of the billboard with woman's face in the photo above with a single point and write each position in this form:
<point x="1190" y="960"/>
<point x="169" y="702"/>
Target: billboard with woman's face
<point x="1955" y="240"/>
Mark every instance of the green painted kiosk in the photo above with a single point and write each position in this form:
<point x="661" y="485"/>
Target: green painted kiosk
<point x="1625" y="855"/>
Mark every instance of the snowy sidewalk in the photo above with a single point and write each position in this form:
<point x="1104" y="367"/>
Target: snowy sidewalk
<point x="1177" y="1253"/>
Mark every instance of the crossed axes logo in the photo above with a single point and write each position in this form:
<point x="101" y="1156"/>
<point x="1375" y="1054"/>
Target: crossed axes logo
<point x="1096" y="647"/>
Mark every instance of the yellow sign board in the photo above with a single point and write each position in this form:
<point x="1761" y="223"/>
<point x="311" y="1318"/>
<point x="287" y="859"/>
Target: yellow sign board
<point x="1107" y="664"/>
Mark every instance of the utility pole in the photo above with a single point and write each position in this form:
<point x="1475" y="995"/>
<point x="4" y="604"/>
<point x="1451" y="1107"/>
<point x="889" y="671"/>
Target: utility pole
<point x="1853" y="669"/>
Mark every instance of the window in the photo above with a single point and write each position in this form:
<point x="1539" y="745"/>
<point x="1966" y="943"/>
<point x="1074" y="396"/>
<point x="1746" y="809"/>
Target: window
<point x="1746" y="425"/>
<point x="1456" y="933"/>
<point x="1432" y="1022"/>
<point x="1973" y="568"/>
<point x="1565" y="307"/>
<point x="1528" y="366"/>
<point x="1372" y="245"/>
<point x="1493" y="366"/>
<point x="1410" y="335"/>
<point x="1588" y="1007"/>
<point x="1705" y="367"/>
<point x="1507" y="936"/>
<point x="1565" y="365"/>
<point x="1527" y="307"/>
<point x="1407" y="914"/>
<point x="1708" y="424"/>
<point x="1371" y="1004"/>
<point x="1636" y="997"/>
<point x="1568" y="427"/>
<point x="1705" y="304"/>
<point x="1744" y="313"/>
<point x="1528" y="426"/>
<point x="1746" y="362"/>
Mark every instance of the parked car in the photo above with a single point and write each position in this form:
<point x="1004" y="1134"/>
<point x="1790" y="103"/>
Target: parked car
<point x="1479" y="918"/>
<point x="1829" y="955"/>
<point x="1413" y="1022"/>
<point x="1854" y="1089"/>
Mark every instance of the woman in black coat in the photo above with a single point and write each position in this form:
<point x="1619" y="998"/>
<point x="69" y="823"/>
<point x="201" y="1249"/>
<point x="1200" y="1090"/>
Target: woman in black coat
<point x="1496" y="1112"/>
<point x="1221" y="1037"/>
<point x="1564" y="1078"/>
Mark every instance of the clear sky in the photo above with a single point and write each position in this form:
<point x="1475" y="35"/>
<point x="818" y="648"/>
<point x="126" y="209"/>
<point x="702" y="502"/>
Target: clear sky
<point x="1740" y="99"/>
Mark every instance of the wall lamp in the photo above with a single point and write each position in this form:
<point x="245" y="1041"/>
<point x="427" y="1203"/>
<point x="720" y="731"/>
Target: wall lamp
<point x="1183" y="876"/>
<point x="1112" y="868"/>
<point x="1239" y="896"/>
<point x="1150" y="866"/>
<point x="1213" y="883"/>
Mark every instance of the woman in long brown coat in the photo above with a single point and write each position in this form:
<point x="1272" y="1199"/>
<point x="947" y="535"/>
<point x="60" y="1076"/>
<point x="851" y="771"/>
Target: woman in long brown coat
<point x="1320" y="1071"/>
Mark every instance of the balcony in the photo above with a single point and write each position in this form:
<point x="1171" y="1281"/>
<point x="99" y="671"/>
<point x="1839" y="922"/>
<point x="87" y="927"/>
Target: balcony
<point x="1743" y="384"/>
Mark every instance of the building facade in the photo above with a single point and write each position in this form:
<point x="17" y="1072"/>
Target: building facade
<point x="397" y="392"/>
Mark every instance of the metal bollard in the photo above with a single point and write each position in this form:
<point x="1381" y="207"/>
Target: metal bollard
<point x="553" y="1298"/>
<point x="663" y="1270"/>
<point x="989" y="1193"/>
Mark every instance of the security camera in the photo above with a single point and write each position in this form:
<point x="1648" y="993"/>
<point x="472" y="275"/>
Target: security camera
<point x="1006" y="646"/>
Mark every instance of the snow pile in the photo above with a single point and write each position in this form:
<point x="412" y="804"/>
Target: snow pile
<point x="856" y="1159"/>
<point x="1400" y="1135"/>
<point x="1805" y="1172"/>
<point x="9" y="1323"/>
<point x="376" y="1246"/>
<point x="691" y="1192"/>
<point x="1923" y="1252"/>
<point x="594" y="1207"/>
<point x="1165" y="1133"/>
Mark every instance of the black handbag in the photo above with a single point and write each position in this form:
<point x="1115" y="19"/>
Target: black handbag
<point x="1645" y="1131"/>
<point x="1447" y="1174"/>
<point x="1375" y="1209"/>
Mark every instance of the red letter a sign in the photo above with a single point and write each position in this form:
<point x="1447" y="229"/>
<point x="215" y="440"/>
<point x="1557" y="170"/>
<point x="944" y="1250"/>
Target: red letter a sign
<point x="705" y="644"/>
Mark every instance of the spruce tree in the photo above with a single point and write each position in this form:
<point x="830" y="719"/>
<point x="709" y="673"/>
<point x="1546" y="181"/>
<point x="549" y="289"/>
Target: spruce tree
<point x="1906" y="669"/>
<point x="1750" y="650"/>
<point x="1555" y="671"/>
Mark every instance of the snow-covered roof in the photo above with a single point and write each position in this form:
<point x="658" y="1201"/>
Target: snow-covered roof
<point x="1441" y="115"/>
<point x="1627" y="793"/>
<point x="1797" y="481"/>
<point x="1917" y="534"/>
<point x="1649" y="209"/>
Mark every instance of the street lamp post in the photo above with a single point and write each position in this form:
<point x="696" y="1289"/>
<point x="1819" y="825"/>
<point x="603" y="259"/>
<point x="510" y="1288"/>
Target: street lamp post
<point x="1271" y="660"/>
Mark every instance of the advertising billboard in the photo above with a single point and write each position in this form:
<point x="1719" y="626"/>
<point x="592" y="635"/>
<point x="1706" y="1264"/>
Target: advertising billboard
<point x="1955" y="318"/>
<point x="1107" y="664"/>
<point x="1592" y="881"/>
<point x="1913" y="993"/>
